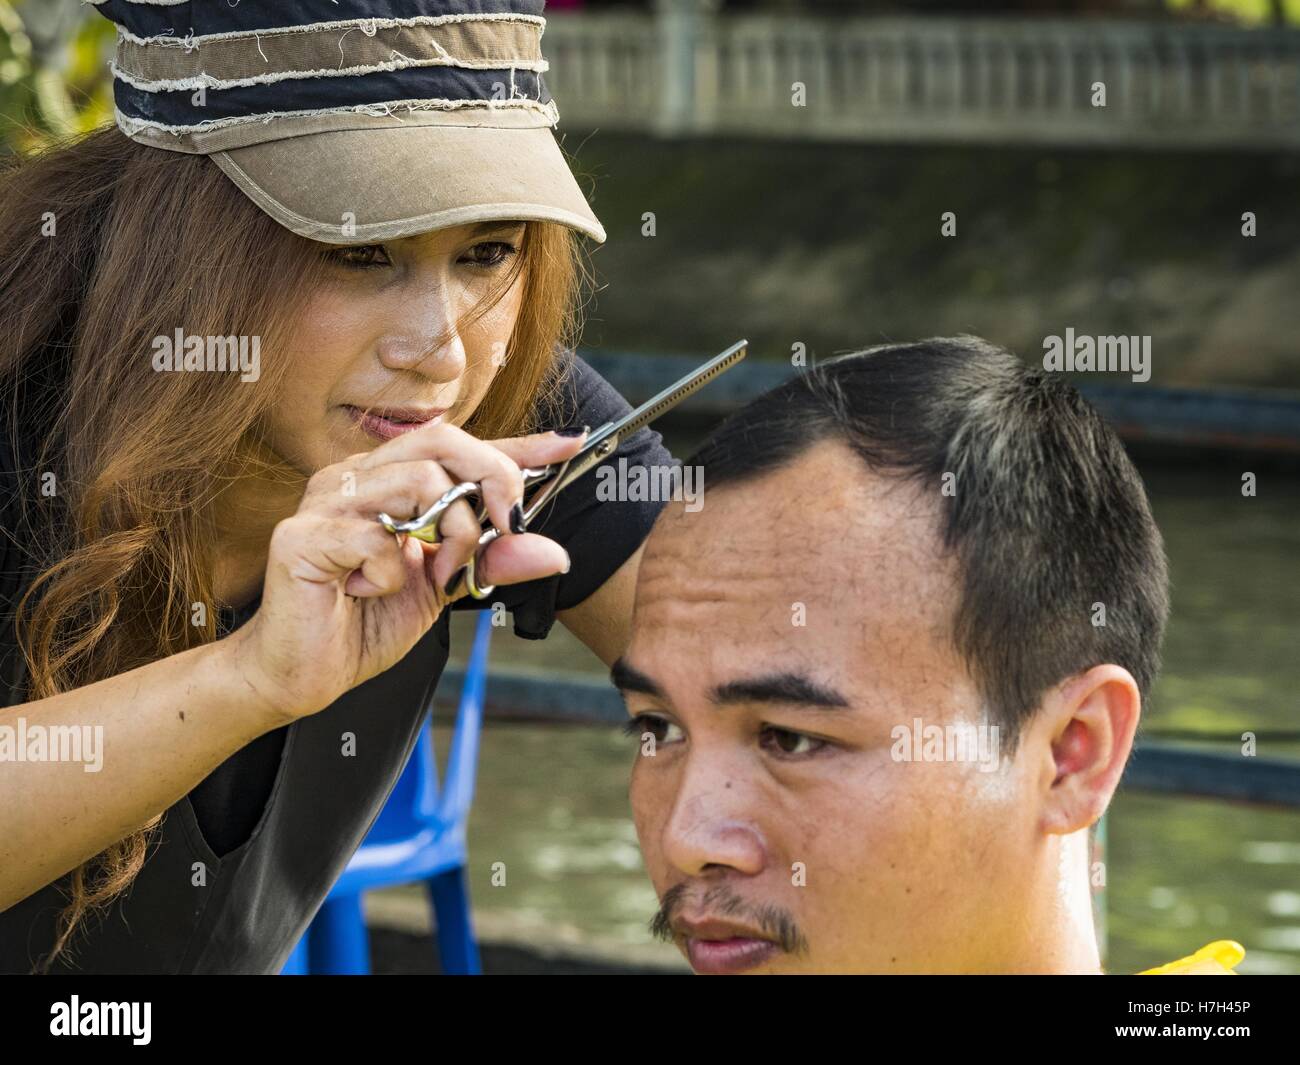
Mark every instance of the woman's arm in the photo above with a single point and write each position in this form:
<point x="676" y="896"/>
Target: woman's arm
<point x="603" y="621"/>
<point x="342" y="601"/>
<point x="164" y="727"/>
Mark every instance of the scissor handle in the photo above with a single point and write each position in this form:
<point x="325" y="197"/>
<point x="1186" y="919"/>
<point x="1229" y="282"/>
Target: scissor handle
<point x="426" y="527"/>
<point x="552" y="474"/>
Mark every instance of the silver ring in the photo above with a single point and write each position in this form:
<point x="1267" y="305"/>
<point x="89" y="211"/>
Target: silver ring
<point x="471" y="567"/>
<point x="471" y="585"/>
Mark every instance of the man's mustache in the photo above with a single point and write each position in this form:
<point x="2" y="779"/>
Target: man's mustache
<point x="721" y="901"/>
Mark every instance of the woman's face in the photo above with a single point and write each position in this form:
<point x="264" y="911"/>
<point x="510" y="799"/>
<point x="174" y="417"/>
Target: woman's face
<point x="390" y="332"/>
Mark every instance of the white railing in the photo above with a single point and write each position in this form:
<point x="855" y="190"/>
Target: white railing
<point x="684" y="70"/>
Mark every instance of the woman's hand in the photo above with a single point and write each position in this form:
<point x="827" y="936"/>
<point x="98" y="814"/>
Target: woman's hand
<point x="344" y="601"/>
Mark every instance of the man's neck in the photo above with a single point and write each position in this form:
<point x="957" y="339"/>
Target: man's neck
<point x="1055" y="932"/>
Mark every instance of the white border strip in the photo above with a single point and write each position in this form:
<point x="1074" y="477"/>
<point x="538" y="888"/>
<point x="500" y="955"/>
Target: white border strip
<point x="131" y="126"/>
<point x="189" y="41"/>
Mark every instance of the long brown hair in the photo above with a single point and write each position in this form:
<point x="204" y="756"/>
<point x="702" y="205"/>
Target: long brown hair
<point x="108" y="244"/>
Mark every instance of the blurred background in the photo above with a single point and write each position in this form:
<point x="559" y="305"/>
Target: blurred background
<point x="779" y="170"/>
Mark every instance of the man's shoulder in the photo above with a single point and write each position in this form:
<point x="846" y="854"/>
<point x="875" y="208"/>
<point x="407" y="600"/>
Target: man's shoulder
<point x="583" y="392"/>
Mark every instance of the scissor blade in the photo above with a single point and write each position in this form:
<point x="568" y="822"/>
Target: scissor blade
<point x="606" y="439"/>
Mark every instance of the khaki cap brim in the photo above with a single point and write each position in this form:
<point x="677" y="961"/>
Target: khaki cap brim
<point x="396" y="181"/>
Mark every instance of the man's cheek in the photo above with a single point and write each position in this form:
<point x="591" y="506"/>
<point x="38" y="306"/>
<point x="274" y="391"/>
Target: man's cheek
<point x="646" y="818"/>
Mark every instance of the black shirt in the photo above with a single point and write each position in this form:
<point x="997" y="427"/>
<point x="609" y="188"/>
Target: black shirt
<point x="244" y="861"/>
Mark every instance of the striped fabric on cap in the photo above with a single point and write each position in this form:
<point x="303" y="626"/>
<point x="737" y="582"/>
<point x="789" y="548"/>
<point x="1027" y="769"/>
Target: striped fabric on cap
<point x="185" y="67"/>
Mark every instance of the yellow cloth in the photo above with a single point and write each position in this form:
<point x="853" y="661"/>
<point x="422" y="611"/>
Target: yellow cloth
<point x="1216" y="959"/>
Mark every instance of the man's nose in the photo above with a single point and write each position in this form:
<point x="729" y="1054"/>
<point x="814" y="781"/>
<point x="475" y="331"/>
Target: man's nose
<point x="711" y="826"/>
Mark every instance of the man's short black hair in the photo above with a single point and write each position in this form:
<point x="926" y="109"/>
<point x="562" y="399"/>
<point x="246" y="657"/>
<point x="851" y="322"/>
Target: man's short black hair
<point x="1047" y="514"/>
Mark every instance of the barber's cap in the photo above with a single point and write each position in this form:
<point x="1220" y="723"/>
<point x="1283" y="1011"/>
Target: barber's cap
<point x="350" y="121"/>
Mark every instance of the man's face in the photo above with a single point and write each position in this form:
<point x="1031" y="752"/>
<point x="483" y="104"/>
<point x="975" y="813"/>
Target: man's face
<point x="787" y="630"/>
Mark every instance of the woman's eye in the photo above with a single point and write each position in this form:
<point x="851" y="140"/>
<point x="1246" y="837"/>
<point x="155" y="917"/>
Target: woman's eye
<point x="490" y="253"/>
<point x="361" y="256"/>
<point x="783" y="741"/>
<point x="663" y="730"/>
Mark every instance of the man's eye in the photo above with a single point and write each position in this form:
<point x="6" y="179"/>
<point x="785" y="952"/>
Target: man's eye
<point x="490" y="253"/>
<point x="783" y="741"/>
<point x="360" y="256"/>
<point x="663" y="730"/>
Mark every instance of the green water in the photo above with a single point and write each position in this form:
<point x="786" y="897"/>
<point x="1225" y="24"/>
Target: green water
<point x="551" y="802"/>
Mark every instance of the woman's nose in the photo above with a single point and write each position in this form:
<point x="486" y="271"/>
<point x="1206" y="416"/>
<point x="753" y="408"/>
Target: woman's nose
<point x="439" y="356"/>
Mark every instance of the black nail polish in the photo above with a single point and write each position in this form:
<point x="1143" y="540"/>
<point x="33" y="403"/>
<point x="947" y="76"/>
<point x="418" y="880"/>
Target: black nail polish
<point x="517" y="519"/>
<point x="455" y="580"/>
<point x="573" y="430"/>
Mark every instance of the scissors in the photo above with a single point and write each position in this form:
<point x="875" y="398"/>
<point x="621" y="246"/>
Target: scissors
<point x="556" y="477"/>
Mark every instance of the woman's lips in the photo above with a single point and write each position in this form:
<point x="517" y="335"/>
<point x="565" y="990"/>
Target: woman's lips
<point x="728" y="956"/>
<point x="385" y="423"/>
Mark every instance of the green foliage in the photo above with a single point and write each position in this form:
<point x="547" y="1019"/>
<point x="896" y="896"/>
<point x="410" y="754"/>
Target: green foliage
<point x="1251" y="12"/>
<point x="54" y="78"/>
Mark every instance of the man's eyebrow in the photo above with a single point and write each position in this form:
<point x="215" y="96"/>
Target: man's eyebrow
<point x="628" y="679"/>
<point x="791" y="688"/>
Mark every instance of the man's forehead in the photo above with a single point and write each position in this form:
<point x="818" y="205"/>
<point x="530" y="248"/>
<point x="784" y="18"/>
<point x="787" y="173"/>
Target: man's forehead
<point x="823" y="525"/>
<point x="819" y="566"/>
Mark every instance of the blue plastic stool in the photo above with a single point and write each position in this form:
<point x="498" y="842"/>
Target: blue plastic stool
<point x="419" y="835"/>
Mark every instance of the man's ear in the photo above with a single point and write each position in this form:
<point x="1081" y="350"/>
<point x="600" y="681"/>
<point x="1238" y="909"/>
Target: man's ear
<point x="1091" y="719"/>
